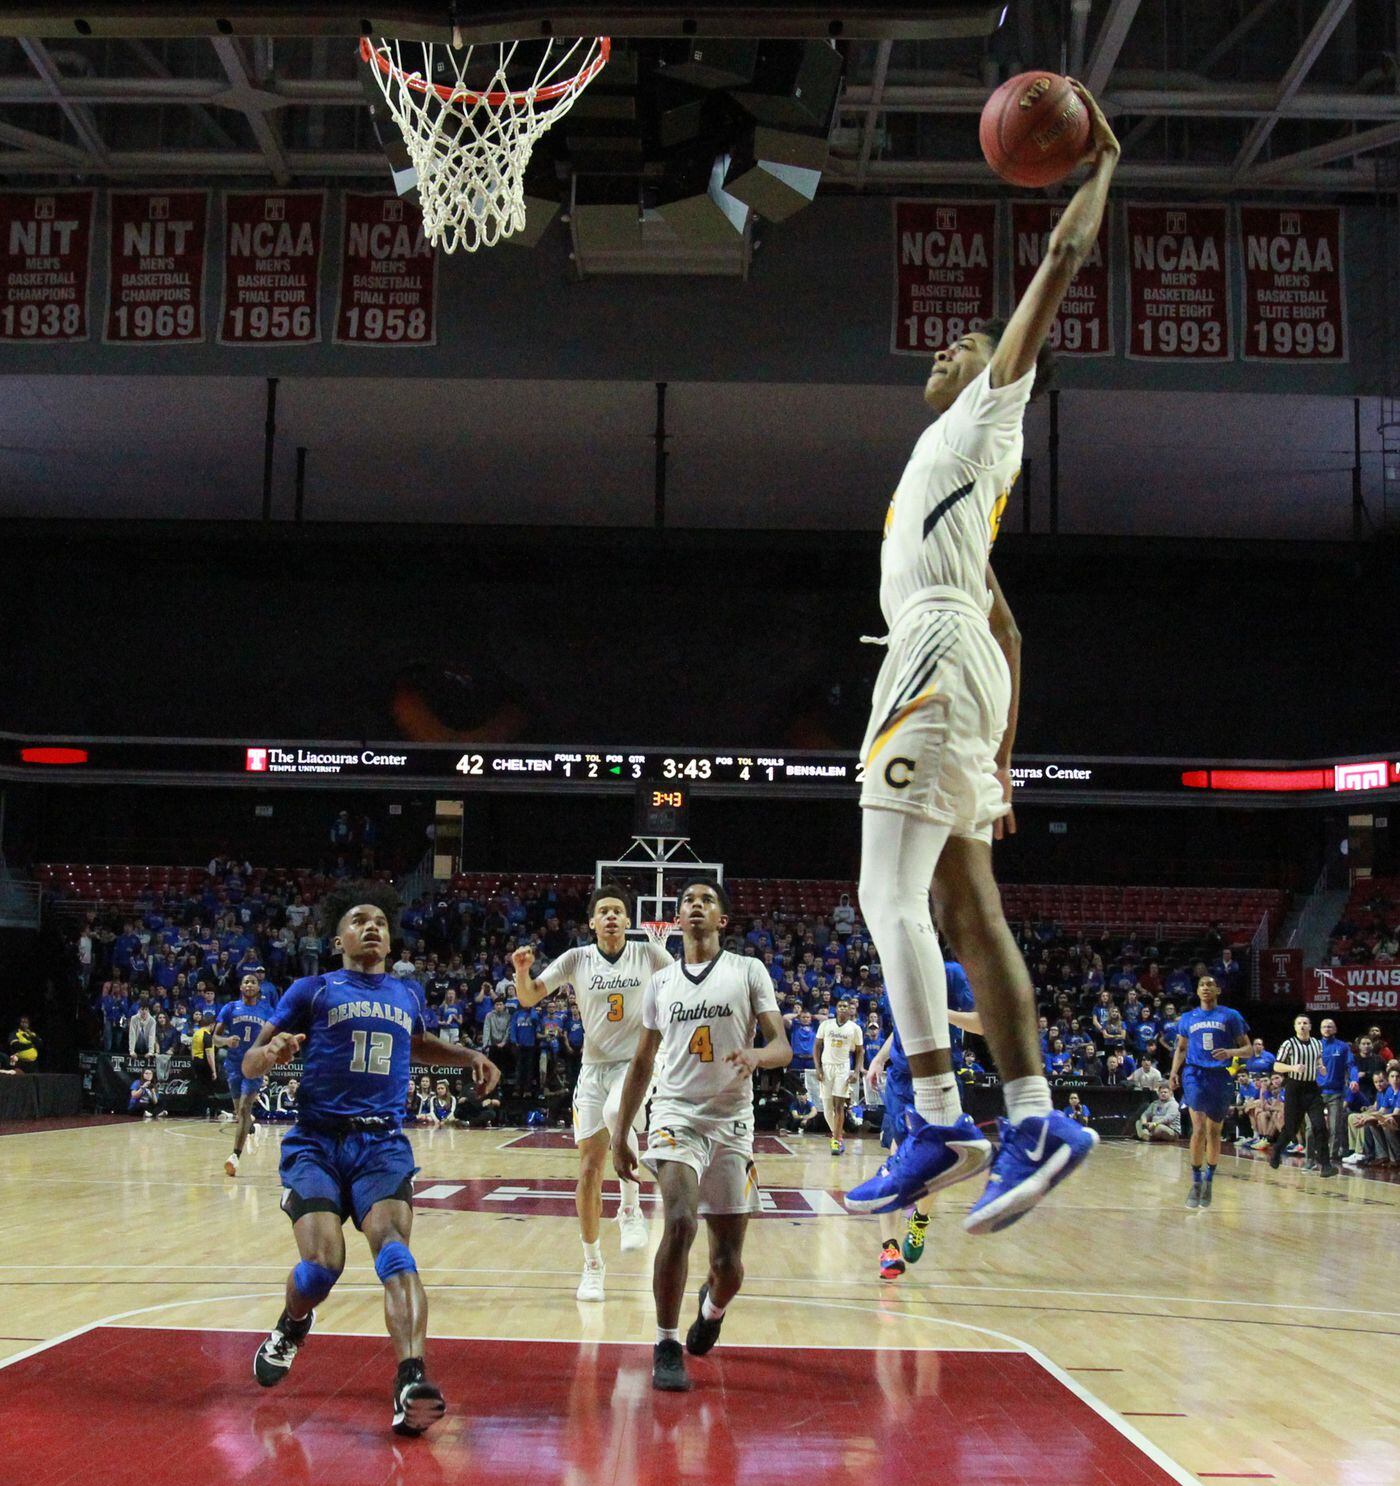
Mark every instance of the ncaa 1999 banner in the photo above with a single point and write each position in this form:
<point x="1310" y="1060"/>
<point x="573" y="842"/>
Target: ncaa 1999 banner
<point x="1084" y="325"/>
<point x="272" y="268"/>
<point x="945" y="272"/>
<point x="1178" y="284"/>
<point x="155" y="267"/>
<point x="388" y="275"/>
<point x="45" y="248"/>
<point x="1295" y="306"/>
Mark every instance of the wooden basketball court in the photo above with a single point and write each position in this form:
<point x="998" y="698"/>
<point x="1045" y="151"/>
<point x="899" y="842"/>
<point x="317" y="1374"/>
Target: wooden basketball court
<point x="1113" y="1337"/>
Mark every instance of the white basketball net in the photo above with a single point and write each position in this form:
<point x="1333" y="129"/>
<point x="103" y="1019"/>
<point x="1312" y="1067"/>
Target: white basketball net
<point x="661" y="930"/>
<point x="470" y="144"/>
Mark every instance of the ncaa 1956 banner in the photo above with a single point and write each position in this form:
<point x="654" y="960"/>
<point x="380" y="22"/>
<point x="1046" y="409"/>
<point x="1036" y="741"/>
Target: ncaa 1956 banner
<point x="272" y="268"/>
<point x="1294" y="290"/>
<point x="45" y="247"/>
<point x="1178" y="283"/>
<point x="945" y="273"/>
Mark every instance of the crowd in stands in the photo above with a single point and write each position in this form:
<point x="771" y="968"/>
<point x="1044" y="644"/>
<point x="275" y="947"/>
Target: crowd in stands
<point x="1368" y="932"/>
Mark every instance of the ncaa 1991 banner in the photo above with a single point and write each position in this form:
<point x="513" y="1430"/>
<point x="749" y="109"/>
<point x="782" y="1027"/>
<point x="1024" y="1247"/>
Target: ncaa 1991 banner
<point x="155" y="267"/>
<point x="1178" y="283"/>
<point x="945" y="272"/>
<point x="1294" y="292"/>
<point x="388" y="275"/>
<point x="1084" y="325"/>
<point x="45" y="247"/>
<point x="272" y="268"/>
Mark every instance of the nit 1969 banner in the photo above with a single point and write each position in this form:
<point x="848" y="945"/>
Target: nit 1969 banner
<point x="156" y="243"/>
<point x="388" y="275"/>
<point x="1294" y="291"/>
<point x="1084" y="326"/>
<point x="1178" y="283"/>
<point x="272" y="268"/>
<point x="945" y="272"/>
<point x="45" y="250"/>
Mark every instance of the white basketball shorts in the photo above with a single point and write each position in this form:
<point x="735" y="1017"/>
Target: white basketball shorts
<point x="722" y="1159"/>
<point x="597" y="1098"/>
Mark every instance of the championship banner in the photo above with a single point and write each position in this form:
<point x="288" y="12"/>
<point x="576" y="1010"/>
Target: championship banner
<point x="388" y="274"/>
<point x="1281" y="975"/>
<point x="1178" y="284"/>
<point x="1295" y="302"/>
<point x="156" y="246"/>
<point x="45" y="248"/>
<point x="1084" y="325"/>
<point x="945" y="273"/>
<point x="1355" y="988"/>
<point x="272" y="268"/>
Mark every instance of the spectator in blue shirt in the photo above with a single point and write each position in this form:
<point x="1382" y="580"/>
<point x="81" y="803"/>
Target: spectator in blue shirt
<point x="1144" y="1032"/>
<point x="1337" y="1077"/>
<point x="1078" y="1111"/>
<point x="1260" y="1061"/>
<point x="1380" y="1126"/>
<point x="524" y="1038"/>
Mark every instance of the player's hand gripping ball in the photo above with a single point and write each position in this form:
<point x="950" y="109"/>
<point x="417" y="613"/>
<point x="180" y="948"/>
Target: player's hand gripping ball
<point x="1035" y="129"/>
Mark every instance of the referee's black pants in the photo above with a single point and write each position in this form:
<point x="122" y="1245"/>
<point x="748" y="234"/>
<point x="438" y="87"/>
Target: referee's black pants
<point x="1302" y="1100"/>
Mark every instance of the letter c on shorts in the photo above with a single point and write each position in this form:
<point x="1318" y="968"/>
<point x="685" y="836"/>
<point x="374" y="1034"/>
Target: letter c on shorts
<point x="907" y="776"/>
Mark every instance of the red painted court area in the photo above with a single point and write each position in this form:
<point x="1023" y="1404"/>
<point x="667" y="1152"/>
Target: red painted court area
<point x="554" y="1197"/>
<point x="562" y="1140"/>
<point x="123" y="1407"/>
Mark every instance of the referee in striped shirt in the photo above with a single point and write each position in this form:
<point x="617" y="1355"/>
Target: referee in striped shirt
<point x="1300" y="1061"/>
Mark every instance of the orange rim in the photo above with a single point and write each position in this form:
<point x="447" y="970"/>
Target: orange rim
<point x="498" y="98"/>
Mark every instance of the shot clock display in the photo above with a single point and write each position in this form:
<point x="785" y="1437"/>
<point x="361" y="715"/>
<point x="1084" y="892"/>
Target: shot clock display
<point x="661" y="810"/>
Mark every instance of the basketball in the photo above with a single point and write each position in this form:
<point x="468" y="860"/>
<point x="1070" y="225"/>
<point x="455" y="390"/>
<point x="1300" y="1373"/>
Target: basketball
<point x="1034" y="129"/>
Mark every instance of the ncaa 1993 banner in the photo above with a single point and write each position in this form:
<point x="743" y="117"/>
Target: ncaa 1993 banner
<point x="45" y="249"/>
<point x="388" y="275"/>
<point x="1178" y="283"/>
<point x="945" y="273"/>
<point x="156" y="244"/>
<point x="1084" y="325"/>
<point x="1294" y="291"/>
<point x="272" y="268"/>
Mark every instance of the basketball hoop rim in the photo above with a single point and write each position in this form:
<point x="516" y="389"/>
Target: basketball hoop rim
<point x="498" y="98"/>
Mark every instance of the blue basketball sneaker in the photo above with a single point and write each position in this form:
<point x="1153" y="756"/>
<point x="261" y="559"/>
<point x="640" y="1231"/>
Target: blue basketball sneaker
<point x="1035" y="1156"/>
<point x="929" y="1157"/>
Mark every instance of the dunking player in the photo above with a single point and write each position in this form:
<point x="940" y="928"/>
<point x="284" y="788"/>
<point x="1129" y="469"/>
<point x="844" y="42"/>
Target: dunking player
<point x="937" y="753"/>
<point x="1208" y="1037"/>
<point x="890" y="1068"/>
<point x="839" y="1039"/>
<point x="699" y="1015"/>
<point x="347" y="1155"/>
<point x="609" y="978"/>
<point x="237" y="1029"/>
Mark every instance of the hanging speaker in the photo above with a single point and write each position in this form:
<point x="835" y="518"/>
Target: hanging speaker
<point x="794" y="85"/>
<point x="716" y="62"/>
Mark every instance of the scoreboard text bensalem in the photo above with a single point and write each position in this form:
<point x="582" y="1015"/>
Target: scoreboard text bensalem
<point x="272" y="760"/>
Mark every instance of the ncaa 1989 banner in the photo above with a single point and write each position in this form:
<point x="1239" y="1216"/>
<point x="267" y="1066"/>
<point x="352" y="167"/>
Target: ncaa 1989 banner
<point x="945" y="273"/>
<point x="1295" y="305"/>
<point x="1178" y="283"/>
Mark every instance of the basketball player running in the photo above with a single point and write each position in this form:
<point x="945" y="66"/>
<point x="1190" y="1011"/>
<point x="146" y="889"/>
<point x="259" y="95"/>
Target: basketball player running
<point x="699" y="1016"/>
<point x="839" y="1039"/>
<point x="609" y="978"/>
<point x="1207" y="1038"/>
<point x="937" y="754"/>
<point x="357" y="1029"/>
<point x="237" y="1029"/>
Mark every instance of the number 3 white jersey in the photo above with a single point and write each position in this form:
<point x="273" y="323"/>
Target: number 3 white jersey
<point x="704" y="1013"/>
<point x="609" y="993"/>
<point x="947" y="509"/>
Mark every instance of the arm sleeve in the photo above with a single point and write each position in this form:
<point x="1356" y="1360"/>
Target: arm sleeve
<point x="293" y="1012"/>
<point x="761" y="994"/>
<point x="985" y="421"/>
<point x="650" y="1019"/>
<point x="558" y="972"/>
<point x="860" y="1036"/>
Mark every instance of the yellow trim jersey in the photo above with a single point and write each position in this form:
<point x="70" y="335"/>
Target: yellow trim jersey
<point x="609" y="993"/>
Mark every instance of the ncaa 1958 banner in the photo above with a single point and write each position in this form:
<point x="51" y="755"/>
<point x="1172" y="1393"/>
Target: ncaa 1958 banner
<point x="1294" y="291"/>
<point x="45" y="247"/>
<point x="1084" y="325"/>
<point x="945" y="272"/>
<point x="1178" y="283"/>
<point x="388" y="274"/>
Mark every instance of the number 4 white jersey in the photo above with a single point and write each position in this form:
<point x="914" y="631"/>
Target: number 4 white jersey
<point x="704" y="1013"/>
<point x="947" y="509"/>
<point x="609" y="992"/>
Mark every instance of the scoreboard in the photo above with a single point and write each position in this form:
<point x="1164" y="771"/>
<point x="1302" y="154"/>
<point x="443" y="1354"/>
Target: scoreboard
<point x="583" y="768"/>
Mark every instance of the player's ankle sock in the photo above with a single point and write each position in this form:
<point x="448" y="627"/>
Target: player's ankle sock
<point x="593" y="1252"/>
<point x="936" y="1098"/>
<point x="918" y="1217"/>
<point x="668" y="1333"/>
<point x="1210" y="1173"/>
<point x="1196" y="1176"/>
<point x="1026" y="1097"/>
<point x="410" y="1371"/>
<point x="631" y="1196"/>
<point x="710" y="1310"/>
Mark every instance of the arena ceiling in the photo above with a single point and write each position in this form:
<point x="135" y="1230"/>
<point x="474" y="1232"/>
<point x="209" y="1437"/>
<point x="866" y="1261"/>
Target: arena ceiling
<point x="1233" y="96"/>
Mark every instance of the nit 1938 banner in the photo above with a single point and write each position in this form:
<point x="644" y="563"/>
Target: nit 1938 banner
<point x="388" y="275"/>
<point x="1178" y="283"/>
<point x="945" y="272"/>
<point x="156" y="245"/>
<point x="272" y="267"/>
<point x="1294" y="292"/>
<point x="45" y="249"/>
<point x="1084" y="326"/>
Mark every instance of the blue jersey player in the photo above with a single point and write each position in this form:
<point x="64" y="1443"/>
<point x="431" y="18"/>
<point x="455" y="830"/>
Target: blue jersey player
<point x="890" y="1066"/>
<point x="237" y="1028"/>
<point x="1207" y="1039"/>
<point x="356" y="1029"/>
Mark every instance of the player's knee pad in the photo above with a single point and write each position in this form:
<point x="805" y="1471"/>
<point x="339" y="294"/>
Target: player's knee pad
<point x="314" y="1281"/>
<point x="394" y="1258"/>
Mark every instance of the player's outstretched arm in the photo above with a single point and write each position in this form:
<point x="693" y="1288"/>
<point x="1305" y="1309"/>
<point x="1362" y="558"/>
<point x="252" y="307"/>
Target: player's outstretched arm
<point x="430" y="1049"/>
<point x="271" y="1049"/>
<point x="1069" y="244"/>
<point x="528" y="991"/>
<point x="634" y="1092"/>
<point x="968" y="1021"/>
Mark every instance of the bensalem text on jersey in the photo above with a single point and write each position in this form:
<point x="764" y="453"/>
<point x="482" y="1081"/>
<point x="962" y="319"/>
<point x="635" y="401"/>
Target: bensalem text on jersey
<point x="703" y="1014"/>
<point x="609" y="989"/>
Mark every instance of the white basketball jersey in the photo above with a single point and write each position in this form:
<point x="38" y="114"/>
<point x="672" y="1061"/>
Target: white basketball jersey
<point x="609" y="993"/>
<point x="704" y="1013"/>
<point x="947" y="509"/>
<point x="839" y="1042"/>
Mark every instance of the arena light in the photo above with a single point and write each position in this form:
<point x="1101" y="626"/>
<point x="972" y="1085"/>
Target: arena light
<point x="48" y="754"/>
